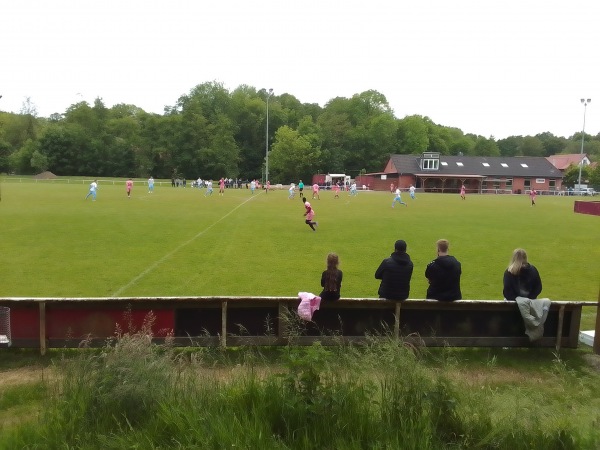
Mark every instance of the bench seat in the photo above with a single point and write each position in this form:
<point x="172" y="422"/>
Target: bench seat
<point x="235" y="321"/>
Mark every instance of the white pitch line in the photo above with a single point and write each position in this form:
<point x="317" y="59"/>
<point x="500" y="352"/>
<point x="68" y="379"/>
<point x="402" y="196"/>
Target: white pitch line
<point x="171" y="253"/>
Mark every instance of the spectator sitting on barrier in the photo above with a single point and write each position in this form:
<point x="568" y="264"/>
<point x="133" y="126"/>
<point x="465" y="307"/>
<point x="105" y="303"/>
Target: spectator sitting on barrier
<point x="331" y="279"/>
<point x="443" y="274"/>
<point x="395" y="273"/>
<point x="521" y="279"/>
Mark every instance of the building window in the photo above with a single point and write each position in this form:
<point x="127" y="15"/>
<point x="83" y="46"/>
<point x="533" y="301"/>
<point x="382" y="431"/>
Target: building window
<point x="444" y="163"/>
<point x="431" y="164"/>
<point x="486" y="164"/>
<point x="509" y="183"/>
<point x="459" y="164"/>
<point x="527" y="183"/>
<point x="430" y="161"/>
<point x="504" y="164"/>
<point x="496" y="184"/>
<point x="552" y="184"/>
<point x="540" y="180"/>
<point x="524" y="165"/>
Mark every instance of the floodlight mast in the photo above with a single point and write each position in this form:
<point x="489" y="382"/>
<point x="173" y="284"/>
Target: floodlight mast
<point x="269" y="93"/>
<point x="584" y="102"/>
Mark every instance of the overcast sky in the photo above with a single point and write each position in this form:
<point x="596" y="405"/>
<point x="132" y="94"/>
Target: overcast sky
<point x="494" y="68"/>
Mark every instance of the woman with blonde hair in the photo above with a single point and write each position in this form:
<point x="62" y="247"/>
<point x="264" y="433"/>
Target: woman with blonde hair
<point x="331" y="279"/>
<point x="521" y="279"/>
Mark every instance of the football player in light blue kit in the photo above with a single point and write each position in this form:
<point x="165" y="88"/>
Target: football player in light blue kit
<point x="412" y="191"/>
<point x="93" y="189"/>
<point x="209" y="188"/>
<point x="150" y="185"/>
<point x="398" y="198"/>
<point x="353" y="191"/>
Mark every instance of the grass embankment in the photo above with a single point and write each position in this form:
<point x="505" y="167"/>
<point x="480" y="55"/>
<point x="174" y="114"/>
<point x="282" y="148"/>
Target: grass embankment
<point x="132" y="394"/>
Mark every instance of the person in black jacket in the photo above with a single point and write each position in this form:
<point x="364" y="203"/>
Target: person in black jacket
<point x="443" y="274"/>
<point x="521" y="279"/>
<point x="395" y="273"/>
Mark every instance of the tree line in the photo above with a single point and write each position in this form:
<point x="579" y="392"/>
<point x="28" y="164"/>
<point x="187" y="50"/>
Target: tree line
<point x="212" y="132"/>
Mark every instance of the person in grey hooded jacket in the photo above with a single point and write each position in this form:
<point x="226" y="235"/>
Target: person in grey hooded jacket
<point x="395" y="273"/>
<point x="443" y="274"/>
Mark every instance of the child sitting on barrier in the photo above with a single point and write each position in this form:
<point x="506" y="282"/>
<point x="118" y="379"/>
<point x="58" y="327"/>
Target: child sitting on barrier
<point x="331" y="279"/>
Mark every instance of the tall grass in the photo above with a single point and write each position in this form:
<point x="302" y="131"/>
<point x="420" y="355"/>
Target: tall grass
<point x="134" y="394"/>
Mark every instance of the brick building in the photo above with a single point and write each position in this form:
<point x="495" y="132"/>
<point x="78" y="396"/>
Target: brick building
<point x="433" y="172"/>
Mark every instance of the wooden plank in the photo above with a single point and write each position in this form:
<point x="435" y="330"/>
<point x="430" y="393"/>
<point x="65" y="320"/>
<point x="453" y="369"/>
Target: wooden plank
<point x="548" y="342"/>
<point x="224" y="324"/>
<point x="432" y="341"/>
<point x="574" y="328"/>
<point x="197" y="341"/>
<point x="25" y="343"/>
<point x="233" y="299"/>
<point x="561" y="317"/>
<point x="397" y="320"/>
<point x="42" y="328"/>
<point x="283" y="311"/>
<point x="237" y="341"/>
<point x="376" y="305"/>
<point x="462" y="319"/>
<point x="597" y="332"/>
<point x="193" y="341"/>
<point x="329" y="340"/>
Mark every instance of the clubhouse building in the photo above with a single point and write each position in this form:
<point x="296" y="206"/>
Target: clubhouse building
<point x="433" y="172"/>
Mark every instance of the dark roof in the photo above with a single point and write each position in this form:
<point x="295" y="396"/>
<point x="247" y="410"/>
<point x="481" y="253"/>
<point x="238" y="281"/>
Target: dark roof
<point x="519" y="166"/>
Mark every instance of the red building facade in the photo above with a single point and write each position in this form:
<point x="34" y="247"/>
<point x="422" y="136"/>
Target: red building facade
<point x="432" y="172"/>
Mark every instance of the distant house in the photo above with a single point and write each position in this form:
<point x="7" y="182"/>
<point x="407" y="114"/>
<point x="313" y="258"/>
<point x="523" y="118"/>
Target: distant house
<point x="562" y="162"/>
<point x="434" y="172"/>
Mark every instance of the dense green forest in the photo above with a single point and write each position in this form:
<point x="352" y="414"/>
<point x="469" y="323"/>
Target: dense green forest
<point x="212" y="132"/>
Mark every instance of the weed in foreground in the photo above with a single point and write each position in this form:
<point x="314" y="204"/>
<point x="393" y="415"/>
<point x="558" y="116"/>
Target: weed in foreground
<point x="134" y="394"/>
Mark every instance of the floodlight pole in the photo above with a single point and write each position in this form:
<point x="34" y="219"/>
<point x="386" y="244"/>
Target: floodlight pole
<point x="269" y="93"/>
<point x="585" y="103"/>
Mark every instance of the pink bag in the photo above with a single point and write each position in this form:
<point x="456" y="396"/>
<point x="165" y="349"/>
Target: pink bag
<point x="309" y="303"/>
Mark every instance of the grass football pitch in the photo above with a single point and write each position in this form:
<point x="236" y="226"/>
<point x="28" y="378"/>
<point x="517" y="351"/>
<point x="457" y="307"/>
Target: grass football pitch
<point x="179" y="242"/>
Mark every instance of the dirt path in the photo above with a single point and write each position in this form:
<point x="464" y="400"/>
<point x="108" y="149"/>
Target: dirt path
<point x="25" y="375"/>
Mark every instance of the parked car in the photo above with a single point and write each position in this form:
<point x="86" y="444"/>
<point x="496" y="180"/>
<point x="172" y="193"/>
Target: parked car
<point x="584" y="191"/>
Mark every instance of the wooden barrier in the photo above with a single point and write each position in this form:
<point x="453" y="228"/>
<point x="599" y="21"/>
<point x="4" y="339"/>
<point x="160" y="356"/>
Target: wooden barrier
<point x="587" y="207"/>
<point x="233" y="321"/>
